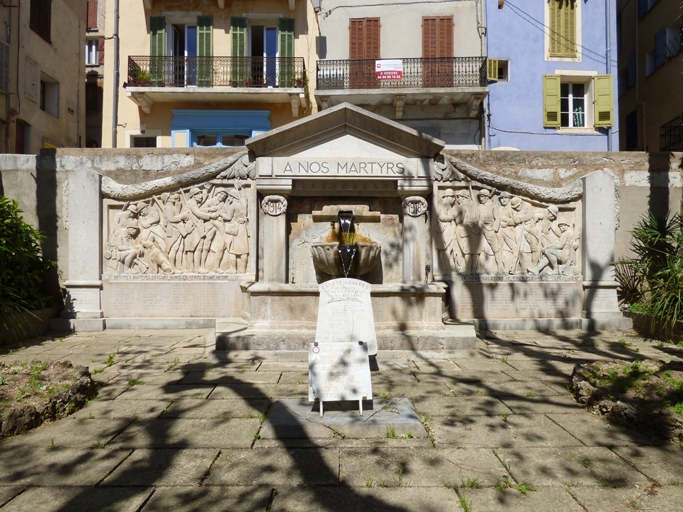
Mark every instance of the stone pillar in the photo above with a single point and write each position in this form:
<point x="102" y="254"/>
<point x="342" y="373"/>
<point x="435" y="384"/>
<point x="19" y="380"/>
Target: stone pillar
<point x="274" y="232"/>
<point x="598" y="234"/>
<point x="415" y="239"/>
<point x="83" y="311"/>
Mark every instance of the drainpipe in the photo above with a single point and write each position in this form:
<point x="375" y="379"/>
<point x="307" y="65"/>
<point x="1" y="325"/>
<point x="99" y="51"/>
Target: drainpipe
<point x="608" y="55"/>
<point x="115" y="111"/>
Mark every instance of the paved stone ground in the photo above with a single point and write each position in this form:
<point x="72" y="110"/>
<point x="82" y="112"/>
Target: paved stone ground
<point x="176" y="428"/>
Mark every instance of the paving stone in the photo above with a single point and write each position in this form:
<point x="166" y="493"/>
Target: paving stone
<point x="661" y="463"/>
<point x="393" y="468"/>
<point x="331" y="441"/>
<point x="511" y="500"/>
<point x="70" y="433"/>
<point x="221" y="377"/>
<point x="217" y="409"/>
<point x="209" y="499"/>
<point x="543" y="367"/>
<point x="593" y="430"/>
<point x="460" y="406"/>
<point x="668" y="497"/>
<point x="7" y="493"/>
<point x="288" y="366"/>
<point x="520" y="389"/>
<point x="442" y="367"/>
<point x="601" y="499"/>
<point x="481" y="364"/>
<point x="111" y="391"/>
<point x="542" y="404"/>
<point x="162" y="467"/>
<point x="83" y="499"/>
<point x="495" y="431"/>
<point x="571" y="467"/>
<point x="182" y="433"/>
<point x="293" y="499"/>
<point x="122" y="409"/>
<point x="31" y="465"/>
<point x="276" y="466"/>
<point x="472" y="466"/>
<point x="264" y="391"/>
<point x="168" y="392"/>
<point x="294" y="377"/>
<point x="464" y="376"/>
<point x="544" y="376"/>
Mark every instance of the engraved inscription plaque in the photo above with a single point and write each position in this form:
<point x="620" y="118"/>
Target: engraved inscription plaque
<point x="338" y="371"/>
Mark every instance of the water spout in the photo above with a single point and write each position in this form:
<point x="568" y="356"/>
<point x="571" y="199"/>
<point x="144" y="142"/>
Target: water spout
<point x="347" y="249"/>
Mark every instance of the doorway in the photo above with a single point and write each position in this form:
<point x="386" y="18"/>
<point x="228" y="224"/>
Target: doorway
<point x="184" y="51"/>
<point x="264" y="55"/>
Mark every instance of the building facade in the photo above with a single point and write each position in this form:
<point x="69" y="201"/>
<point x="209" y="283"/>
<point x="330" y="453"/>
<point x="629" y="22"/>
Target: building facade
<point x="552" y="75"/>
<point x="197" y="73"/>
<point x="419" y="63"/>
<point x="94" y="72"/>
<point x="41" y="56"/>
<point x="650" y="75"/>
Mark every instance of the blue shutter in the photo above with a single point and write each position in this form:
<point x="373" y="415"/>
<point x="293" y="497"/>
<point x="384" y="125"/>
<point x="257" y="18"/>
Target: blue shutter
<point x="660" y="48"/>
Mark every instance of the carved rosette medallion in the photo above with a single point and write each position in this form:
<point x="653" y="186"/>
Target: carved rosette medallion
<point x="274" y="205"/>
<point x="414" y="206"/>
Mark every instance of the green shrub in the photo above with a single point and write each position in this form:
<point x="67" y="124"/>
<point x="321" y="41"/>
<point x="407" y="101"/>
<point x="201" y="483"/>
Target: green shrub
<point x="21" y="264"/>
<point x="653" y="281"/>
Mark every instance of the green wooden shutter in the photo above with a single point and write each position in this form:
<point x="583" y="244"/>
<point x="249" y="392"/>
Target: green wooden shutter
<point x="604" y="100"/>
<point x="286" y="52"/>
<point x="205" y="51"/>
<point x="157" y="48"/>
<point x="240" y="64"/>
<point x="551" y="101"/>
<point x="492" y="69"/>
<point x="562" y="34"/>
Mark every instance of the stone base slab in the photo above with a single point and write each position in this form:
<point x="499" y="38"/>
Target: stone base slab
<point x="235" y="335"/>
<point x="552" y="324"/>
<point x="77" y="324"/>
<point x="160" y="323"/>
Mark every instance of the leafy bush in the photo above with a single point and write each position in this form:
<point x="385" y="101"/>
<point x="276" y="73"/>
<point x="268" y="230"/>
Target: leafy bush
<point x="653" y="281"/>
<point x="21" y="264"/>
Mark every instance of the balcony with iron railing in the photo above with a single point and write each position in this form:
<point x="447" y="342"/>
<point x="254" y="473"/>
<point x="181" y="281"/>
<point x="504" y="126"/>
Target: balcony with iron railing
<point x="433" y="80"/>
<point x="153" y="79"/>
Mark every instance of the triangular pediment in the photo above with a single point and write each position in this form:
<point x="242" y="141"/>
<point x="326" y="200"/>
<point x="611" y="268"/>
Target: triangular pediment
<point x="345" y="130"/>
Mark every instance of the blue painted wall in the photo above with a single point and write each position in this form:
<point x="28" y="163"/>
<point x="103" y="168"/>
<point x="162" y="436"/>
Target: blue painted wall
<point x="516" y="33"/>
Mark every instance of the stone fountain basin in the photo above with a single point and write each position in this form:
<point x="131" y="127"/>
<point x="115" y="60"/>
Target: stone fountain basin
<point x="326" y="258"/>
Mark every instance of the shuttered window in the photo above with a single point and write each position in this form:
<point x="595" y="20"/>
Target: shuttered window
<point x="41" y="18"/>
<point x="551" y="101"/>
<point x="286" y="51"/>
<point x="437" y="36"/>
<point x="100" y="50"/>
<point x="562" y="31"/>
<point x="157" y="47"/>
<point x="364" y="38"/>
<point x="92" y="15"/>
<point x="241" y="68"/>
<point x="604" y="100"/>
<point x="205" y="51"/>
<point x="4" y="67"/>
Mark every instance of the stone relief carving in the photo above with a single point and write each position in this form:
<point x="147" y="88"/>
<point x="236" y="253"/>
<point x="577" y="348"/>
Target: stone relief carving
<point x="414" y="206"/>
<point x="201" y="230"/>
<point x="274" y="205"/>
<point x="480" y="231"/>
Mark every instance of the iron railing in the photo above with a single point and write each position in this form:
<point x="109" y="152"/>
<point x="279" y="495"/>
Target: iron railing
<point x="671" y="135"/>
<point x="417" y="73"/>
<point x="146" y="71"/>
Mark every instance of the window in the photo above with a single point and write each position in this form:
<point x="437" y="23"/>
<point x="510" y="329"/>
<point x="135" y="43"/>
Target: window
<point x="497" y="70"/>
<point x="674" y="40"/>
<point x="644" y="6"/>
<point x="567" y="100"/>
<point x="562" y="33"/>
<point x="41" y="18"/>
<point x="649" y="62"/>
<point x="632" y="131"/>
<point x="49" y="95"/>
<point x="91" y="52"/>
<point x="503" y="70"/>
<point x="144" y="142"/>
<point x="364" y="36"/>
<point x="4" y="67"/>
<point x="92" y="15"/>
<point x="572" y="105"/>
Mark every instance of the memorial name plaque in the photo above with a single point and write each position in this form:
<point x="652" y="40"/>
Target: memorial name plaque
<point x="338" y="371"/>
<point x="345" y="313"/>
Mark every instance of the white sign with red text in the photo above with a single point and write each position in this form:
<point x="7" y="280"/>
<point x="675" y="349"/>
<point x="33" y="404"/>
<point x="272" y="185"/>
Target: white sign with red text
<point x="389" y="69"/>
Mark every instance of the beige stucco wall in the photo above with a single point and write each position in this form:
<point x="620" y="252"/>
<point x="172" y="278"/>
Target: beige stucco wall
<point x="657" y="97"/>
<point x="135" y="40"/>
<point x="401" y="27"/>
<point x="62" y="60"/>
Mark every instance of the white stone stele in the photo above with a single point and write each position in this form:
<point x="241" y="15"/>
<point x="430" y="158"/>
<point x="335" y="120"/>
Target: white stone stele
<point x="345" y="313"/>
<point x="338" y="371"/>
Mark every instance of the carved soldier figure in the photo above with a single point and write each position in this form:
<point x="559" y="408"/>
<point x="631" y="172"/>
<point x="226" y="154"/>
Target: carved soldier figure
<point x="124" y="249"/>
<point x="445" y="237"/>
<point x="149" y="221"/>
<point x="216" y="206"/>
<point x="196" y="244"/>
<point x="525" y="223"/>
<point x="237" y="233"/>
<point x="508" y="237"/>
<point x="489" y="221"/>
<point x="175" y="229"/>
<point x="468" y="232"/>
<point x="550" y="232"/>
<point x="557" y="253"/>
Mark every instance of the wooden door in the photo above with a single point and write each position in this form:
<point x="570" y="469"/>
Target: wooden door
<point x="363" y="50"/>
<point x="437" y="51"/>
